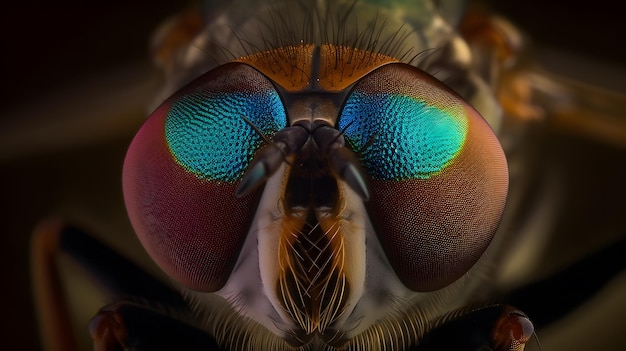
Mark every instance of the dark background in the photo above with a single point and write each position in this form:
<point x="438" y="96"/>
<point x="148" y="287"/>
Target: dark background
<point x="49" y="48"/>
<point x="47" y="45"/>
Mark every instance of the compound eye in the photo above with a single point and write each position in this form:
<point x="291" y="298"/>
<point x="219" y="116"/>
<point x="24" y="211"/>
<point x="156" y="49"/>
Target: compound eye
<point x="184" y="165"/>
<point x="439" y="178"/>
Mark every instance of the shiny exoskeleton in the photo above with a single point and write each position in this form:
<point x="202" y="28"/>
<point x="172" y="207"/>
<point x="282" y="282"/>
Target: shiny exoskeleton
<point x="317" y="190"/>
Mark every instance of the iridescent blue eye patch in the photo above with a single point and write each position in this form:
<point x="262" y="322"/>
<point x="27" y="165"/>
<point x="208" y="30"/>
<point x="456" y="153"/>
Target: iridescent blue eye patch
<point x="402" y="137"/>
<point x="207" y="134"/>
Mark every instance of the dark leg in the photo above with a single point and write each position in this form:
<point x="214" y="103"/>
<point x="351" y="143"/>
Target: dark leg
<point x="548" y="300"/>
<point x="127" y="325"/>
<point x="54" y="319"/>
<point x="139" y="320"/>
<point x="497" y="328"/>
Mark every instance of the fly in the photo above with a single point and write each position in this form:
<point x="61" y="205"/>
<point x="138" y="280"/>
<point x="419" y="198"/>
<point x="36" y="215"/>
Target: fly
<point x="320" y="176"/>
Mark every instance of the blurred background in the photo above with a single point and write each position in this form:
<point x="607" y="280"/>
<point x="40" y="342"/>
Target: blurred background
<point x="76" y="82"/>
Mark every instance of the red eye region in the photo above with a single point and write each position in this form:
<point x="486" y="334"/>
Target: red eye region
<point x="191" y="223"/>
<point x="435" y="226"/>
<point x="192" y="228"/>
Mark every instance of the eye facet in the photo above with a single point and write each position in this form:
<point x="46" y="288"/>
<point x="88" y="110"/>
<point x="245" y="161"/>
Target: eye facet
<point x="439" y="178"/>
<point x="182" y="169"/>
<point x="207" y="135"/>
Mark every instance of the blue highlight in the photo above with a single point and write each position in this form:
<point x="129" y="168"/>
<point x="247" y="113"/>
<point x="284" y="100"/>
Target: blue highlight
<point x="408" y="138"/>
<point x="207" y="135"/>
<point x="411" y="139"/>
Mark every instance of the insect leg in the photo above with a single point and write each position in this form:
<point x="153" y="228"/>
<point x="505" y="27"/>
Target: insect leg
<point x="54" y="319"/>
<point x="549" y="299"/>
<point x="128" y="325"/>
<point x="145" y="314"/>
<point x="496" y="327"/>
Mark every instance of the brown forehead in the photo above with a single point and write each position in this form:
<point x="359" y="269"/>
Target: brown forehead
<point x="329" y="68"/>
